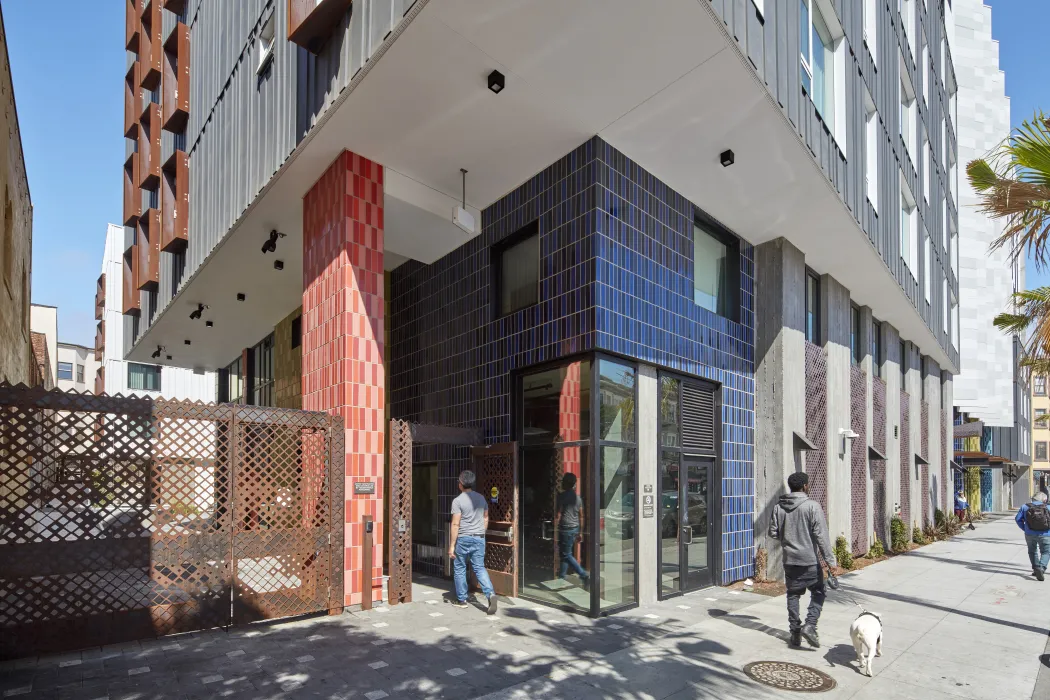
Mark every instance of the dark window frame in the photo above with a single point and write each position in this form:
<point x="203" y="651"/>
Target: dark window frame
<point x="855" y="320"/>
<point x="497" y="250"/>
<point x="1036" y="456"/>
<point x="731" y="241"/>
<point x="297" y="331"/>
<point x="151" y="371"/>
<point x="1039" y="381"/>
<point x="811" y="276"/>
<point x="876" y="347"/>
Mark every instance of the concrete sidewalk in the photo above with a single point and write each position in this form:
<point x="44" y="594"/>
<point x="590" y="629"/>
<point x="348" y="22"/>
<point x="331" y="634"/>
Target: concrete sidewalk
<point x="963" y="619"/>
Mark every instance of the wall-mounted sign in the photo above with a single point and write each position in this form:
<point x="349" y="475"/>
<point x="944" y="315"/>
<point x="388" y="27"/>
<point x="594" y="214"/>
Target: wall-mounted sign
<point x="647" y="511"/>
<point x="648" y="488"/>
<point x="495" y="495"/>
<point x="364" y="487"/>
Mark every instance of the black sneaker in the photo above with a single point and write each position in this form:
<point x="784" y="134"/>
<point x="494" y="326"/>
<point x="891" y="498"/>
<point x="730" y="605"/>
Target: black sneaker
<point x="1039" y="574"/>
<point x="796" y="640"/>
<point x="810" y="633"/>
<point x="492" y="605"/>
<point x="460" y="603"/>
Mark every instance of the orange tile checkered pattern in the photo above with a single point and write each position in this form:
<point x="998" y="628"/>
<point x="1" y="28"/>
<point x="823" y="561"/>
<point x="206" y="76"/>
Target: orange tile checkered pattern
<point x="343" y="338"/>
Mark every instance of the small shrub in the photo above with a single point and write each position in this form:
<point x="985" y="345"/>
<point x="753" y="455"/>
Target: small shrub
<point x="898" y="535"/>
<point x="877" y="550"/>
<point x="918" y="536"/>
<point x="843" y="553"/>
<point x="930" y="533"/>
<point x="938" y="517"/>
<point x="952" y="526"/>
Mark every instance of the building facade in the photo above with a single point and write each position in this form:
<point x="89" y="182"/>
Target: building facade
<point x="17" y="362"/>
<point x="413" y="210"/>
<point x="77" y="367"/>
<point x="113" y="374"/>
<point x="43" y="319"/>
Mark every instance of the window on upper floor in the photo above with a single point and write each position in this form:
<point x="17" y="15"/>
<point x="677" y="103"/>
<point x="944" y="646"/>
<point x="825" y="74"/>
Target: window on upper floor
<point x="1039" y="387"/>
<point x="517" y="267"/>
<point x="871" y="28"/>
<point x="924" y="79"/>
<point x="1040" y="415"/>
<point x="716" y="267"/>
<point x="65" y="370"/>
<point x="1040" y="451"/>
<point x="80" y="374"/>
<point x="926" y="165"/>
<point x="906" y="9"/>
<point x="954" y="249"/>
<point x="812" y="307"/>
<point x="871" y="150"/>
<point x="267" y="42"/>
<point x="143" y="377"/>
<point x="955" y="322"/>
<point x="927" y="278"/>
<point x="903" y="350"/>
<point x="909" y="239"/>
<point x="945" y="311"/>
<point x="908" y="112"/>
<point x="818" y="62"/>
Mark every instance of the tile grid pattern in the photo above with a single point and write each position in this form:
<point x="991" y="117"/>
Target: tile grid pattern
<point x="342" y="344"/>
<point x="646" y="310"/>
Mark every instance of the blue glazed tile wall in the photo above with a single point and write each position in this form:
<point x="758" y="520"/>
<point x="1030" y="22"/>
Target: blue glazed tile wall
<point x="644" y="294"/>
<point x="615" y="275"/>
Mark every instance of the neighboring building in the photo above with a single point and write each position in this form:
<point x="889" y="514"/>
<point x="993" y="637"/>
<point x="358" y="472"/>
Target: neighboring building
<point x="1040" y="435"/>
<point x="17" y="362"/>
<point x="114" y="375"/>
<point x="42" y="373"/>
<point x="76" y="368"/>
<point x="44" y="320"/>
<point x="707" y="250"/>
<point x="989" y="389"/>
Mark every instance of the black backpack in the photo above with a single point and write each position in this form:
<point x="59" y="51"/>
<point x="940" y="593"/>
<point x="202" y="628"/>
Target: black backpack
<point x="1037" y="517"/>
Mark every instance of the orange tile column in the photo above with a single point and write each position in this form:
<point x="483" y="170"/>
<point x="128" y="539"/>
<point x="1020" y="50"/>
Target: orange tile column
<point x="343" y="338"/>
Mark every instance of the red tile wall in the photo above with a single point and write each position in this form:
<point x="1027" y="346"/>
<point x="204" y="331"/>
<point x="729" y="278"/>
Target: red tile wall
<point x="343" y="338"/>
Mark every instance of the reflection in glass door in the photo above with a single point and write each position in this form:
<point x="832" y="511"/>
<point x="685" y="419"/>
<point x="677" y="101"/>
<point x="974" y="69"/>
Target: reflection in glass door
<point x="695" y="551"/>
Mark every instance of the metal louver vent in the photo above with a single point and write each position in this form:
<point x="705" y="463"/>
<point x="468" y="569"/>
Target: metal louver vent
<point x="698" y="418"/>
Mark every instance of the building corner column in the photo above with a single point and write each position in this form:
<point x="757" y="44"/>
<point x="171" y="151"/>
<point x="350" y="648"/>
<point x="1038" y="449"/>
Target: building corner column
<point x="835" y="337"/>
<point x="649" y="481"/>
<point x="343" y="343"/>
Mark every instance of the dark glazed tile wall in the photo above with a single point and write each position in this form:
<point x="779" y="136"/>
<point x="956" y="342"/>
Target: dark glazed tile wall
<point x="616" y="275"/>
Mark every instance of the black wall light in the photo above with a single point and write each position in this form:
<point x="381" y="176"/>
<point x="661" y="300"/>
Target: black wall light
<point x="209" y="324"/>
<point x="156" y="353"/>
<point x="186" y="341"/>
<point x="270" y="245"/>
<point x="169" y="357"/>
<point x="496" y="82"/>
<point x="727" y="158"/>
<point x="195" y="315"/>
<point x="240" y="297"/>
<point x="278" y="264"/>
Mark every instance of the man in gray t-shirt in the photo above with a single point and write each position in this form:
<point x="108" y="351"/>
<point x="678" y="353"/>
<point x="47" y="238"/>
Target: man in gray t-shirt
<point x="570" y="510"/>
<point x="470" y="521"/>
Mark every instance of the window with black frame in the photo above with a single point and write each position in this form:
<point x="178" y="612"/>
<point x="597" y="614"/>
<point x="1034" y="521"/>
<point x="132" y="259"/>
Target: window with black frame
<point x="517" y="265"/>
<point x="876" y="348"/>
<point x="856" y="349"/>
<point x="143" y="377"/>
<point x="812" y="308"/>
<point x="262" y="372"/>
<point x="716" y="270"/>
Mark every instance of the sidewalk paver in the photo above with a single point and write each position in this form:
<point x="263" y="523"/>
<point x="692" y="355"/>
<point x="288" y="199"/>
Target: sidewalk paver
<point x="962" y="620"/>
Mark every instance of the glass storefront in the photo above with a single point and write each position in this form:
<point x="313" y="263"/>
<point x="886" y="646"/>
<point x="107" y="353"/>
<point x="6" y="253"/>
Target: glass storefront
<point x="578" y="480"/>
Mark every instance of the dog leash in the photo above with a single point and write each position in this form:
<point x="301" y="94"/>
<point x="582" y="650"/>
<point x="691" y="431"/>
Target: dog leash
<point x="833" y="583"/>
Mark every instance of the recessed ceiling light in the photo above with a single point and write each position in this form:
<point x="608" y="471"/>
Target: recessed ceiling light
<point x="240" y="297"/>
<point x="727" y="158"/>
<point x="169" y="357"/>
<point x="187" y="342"/>
<point x="209" y="324"/>
<point x="278" y="264"/>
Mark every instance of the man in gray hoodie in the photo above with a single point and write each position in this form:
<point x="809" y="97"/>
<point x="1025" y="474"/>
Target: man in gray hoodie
<point x="799" y="524"/>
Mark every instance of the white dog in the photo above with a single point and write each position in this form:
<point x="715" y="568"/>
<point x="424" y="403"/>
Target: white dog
<point x="866" y="633"/>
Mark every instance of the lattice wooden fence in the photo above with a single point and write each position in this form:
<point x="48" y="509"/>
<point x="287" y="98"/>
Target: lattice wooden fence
<point x="124" y="517"/>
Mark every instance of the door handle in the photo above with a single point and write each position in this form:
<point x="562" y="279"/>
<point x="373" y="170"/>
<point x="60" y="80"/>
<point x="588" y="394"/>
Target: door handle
<point x="543" y="530"/>
<point x="687" y="530"/>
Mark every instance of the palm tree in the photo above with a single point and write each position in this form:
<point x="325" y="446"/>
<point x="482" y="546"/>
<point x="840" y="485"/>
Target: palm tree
<point x="1014" y="185"/>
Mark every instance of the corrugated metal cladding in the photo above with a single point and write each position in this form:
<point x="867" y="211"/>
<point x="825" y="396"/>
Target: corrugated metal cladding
<point x="771" y="42"/>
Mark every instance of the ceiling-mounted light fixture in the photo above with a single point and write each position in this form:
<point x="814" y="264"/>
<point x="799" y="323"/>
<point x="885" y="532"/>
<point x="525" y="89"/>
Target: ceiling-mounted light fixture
<point x="460" y="216"/>
<point x="195" y="315"/>
<point x="240" y="297"/>
<point x="169" y="357"/>
<point x="270" y="246"/>
<point x="156" y="353"/>
<point x="726" y="158"/>
<point x="187" y="342"/>
<point x="496" y="82"/>
<point x="278" y="264"/>
<point x="209" y="324"/>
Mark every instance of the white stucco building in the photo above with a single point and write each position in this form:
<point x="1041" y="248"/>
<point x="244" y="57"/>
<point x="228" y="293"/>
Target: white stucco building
<point x="140" y="379"/>
<point x="985" y="386"/>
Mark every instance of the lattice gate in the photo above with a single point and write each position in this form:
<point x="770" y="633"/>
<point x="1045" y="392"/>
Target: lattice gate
<point x="496" y="467"/>
<point x="400" y="556"/>
<point x="924" y="487"/>
<point x="124" y="518"/>
<point x="817" y="423"/>
<point x="878" y="466"/>
<point x="859" y="461"/>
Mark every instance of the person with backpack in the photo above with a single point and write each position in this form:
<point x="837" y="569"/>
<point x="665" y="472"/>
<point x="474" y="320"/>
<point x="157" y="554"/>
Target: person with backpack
<point x="1034" y="519"/>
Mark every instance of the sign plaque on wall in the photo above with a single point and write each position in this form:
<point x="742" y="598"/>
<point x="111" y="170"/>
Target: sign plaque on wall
<point x="648" y="505"/>
<point x="364" y="487"/>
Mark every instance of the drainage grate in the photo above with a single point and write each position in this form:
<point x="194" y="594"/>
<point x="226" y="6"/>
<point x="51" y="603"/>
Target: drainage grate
<point x="785" y="676"/>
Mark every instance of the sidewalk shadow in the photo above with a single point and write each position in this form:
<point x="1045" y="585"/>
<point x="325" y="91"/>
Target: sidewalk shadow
<point x="750" y="622"/>
<point x="843" y="655"/>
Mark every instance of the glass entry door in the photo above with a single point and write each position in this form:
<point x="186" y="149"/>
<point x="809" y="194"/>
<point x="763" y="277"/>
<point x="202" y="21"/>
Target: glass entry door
<point x="685" y="517"/>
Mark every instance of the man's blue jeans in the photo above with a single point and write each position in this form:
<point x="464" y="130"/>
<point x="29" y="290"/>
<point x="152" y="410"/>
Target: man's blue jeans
<point x="566" y="543"/>
<point x="1042" y="544"/>
<point x="472" y="548"/>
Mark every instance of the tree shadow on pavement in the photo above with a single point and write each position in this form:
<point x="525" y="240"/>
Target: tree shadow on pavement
<point x="980" y="565"/>
<point x="400" y="654"/>
<point x="750" y="622"/>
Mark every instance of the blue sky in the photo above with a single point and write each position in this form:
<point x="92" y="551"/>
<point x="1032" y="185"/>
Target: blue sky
<point x="68" y="85"/>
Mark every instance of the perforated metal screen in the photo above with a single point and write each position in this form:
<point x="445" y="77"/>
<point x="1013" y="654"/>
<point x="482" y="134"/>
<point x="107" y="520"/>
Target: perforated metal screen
<point x="907" y="460"/>
<point x="817" y="423"/>
<point x="123" y="518"/>
<point x="878" y="466"/>
<point x="859" y="461"/>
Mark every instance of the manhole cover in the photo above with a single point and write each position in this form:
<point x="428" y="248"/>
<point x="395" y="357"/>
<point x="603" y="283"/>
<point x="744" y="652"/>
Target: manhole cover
<point x="785" y="676"/>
